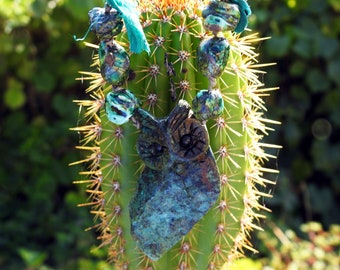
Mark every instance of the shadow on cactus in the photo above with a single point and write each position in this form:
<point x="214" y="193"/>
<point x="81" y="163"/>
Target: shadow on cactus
<point x="173" y="130"/>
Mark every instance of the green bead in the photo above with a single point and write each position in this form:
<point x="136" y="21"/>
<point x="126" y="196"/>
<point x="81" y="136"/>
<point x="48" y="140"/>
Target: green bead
<point x="120" y="106"/>
<point x="105" y="22"/>
<point x="221" y="16"/>
<point x="215" y="24"/>
<point x="207" y="104"/>
<point x="114" y="63"/>
<point x="212" y="56"/>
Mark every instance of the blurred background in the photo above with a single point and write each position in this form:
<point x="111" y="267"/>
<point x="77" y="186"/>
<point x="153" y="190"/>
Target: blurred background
<point x="41" y="226"/>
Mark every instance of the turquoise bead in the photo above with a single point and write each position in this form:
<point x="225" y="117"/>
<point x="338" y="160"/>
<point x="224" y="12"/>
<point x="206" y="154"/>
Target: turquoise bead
<point x="120" y="106"/>
<point x="221" y="16"/>
<point x="245" y="12"/>
<point x="114" y="63"/>
<point x="215" y="24"/>
<point x="207" y="104"/>
<point x="212" y="56"/>
<point x="105" y="22"/>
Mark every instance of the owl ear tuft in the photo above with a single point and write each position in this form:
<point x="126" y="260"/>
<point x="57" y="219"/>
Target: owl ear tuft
<point x="146" y="122"/>
<point x="181" y="112"/>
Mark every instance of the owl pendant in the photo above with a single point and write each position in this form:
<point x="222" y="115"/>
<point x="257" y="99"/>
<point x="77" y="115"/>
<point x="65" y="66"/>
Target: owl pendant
<point x="180" y="181"/>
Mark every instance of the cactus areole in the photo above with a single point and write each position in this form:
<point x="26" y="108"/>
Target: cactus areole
<point x="174" y="132"/>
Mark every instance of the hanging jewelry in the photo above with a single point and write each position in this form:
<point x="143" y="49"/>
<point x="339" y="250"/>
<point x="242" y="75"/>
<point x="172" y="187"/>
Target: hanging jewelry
<point x="180" y="180"/>
<point x="219" y="17"/>
<point x="179" y="183"/>
<point x="113" y="59"/>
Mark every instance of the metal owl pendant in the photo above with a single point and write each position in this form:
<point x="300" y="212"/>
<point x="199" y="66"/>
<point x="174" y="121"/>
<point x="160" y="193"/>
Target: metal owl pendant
<point x="179" y="183"/>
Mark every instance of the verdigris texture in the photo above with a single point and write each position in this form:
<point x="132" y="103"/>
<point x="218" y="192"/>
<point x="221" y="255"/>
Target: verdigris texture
<point x="180" y="181"/>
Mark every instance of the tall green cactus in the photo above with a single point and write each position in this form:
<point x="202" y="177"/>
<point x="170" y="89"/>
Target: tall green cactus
<point x="174" y="30"/>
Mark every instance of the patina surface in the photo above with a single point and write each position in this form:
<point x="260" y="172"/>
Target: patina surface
<point x="180" y="181"/>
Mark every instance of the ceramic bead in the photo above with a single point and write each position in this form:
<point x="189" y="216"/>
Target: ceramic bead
<point x="105" y="22"/>
<point x="114" y="63"/>
<point x="221" y="16"/>
<point x="207" y="104"/>
<point x="120" y="106"/>
<point x="212" y="56"/>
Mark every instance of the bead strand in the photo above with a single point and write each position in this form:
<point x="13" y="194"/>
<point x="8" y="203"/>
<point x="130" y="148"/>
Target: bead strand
<point x="114" y="63"/>
<point x="219" y="17"/>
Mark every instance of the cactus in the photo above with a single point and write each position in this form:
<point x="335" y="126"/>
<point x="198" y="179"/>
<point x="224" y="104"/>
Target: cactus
<point x="169" y="72"/>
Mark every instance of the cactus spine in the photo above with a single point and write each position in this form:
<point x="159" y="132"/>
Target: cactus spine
<point x="174" y="30"/>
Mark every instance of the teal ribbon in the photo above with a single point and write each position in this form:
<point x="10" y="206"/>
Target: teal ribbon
<point x="86" y="34"/>
<point x="130" y="15"/>
<point x="245" y="13"/>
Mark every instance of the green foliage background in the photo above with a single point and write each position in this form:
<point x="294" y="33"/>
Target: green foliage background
<point x="40" y="225"/>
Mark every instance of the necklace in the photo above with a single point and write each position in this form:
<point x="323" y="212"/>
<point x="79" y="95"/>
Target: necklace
<point x="175" y="150"/>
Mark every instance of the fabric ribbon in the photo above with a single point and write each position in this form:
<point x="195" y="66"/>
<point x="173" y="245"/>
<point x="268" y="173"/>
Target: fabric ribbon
<point x="245" y="13"/>
<point x="130" y="15"/>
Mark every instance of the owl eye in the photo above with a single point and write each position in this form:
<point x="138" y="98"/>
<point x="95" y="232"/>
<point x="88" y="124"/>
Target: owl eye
<point x="186" y="141"/>
<point x="156" y="150"/>
<point x="153" y="153"/>
<point x="190" y="140"/>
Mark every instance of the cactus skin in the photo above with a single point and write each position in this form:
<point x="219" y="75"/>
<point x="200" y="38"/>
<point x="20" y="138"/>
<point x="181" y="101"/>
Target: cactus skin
<point x="159" y="80"/>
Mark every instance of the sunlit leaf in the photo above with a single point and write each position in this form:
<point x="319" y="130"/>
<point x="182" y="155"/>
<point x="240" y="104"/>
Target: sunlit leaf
<point x="15" y="96"/>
